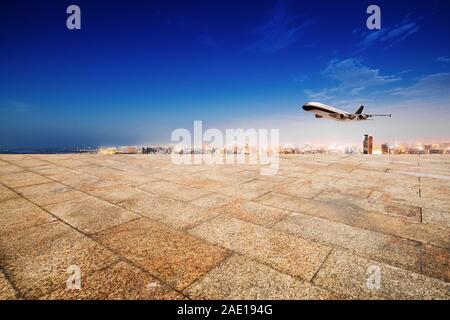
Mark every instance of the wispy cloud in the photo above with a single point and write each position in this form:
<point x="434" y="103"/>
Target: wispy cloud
<point x="445" y="59"/>
<point x="301" y="78"/>
<point x="281" y="31"/>
<point x="353" y="78"/>
<point x="352" y="73"/>
<point x="433" y="85"/>
<point x="386" y="35"/>
<point x="14" y="106"/>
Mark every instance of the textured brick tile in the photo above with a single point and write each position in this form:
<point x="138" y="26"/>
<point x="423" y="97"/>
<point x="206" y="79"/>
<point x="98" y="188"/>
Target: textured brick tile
<point x="254" y="212"/>
<point x="300" y="188"/>
<point x="55" y="173"/>
<point x="7" y="194"/>
<point x="436" y="217"/>
<point x="27" y="163"/>
<point x="346" y="273"/>
<point x="220" y="174"/>
<point x="350" y="190"/>
<point x="37" y="258"/>
<point x="77" y="180"/>
<point x="349" y="183"/>
<point x="383" y="204"/>
<point x="21" y="179"/>
<point x="174" y="191"/>
<point x="176" y="213"/>
<point x="14" y="157"/>
<point x="17" y="214"/>
<point x="49" y="193"/>
<point x="239" y="278"/>
<point x="212" y="201"/>
<point x="246" y="191"/>
<point x="115" y="193"/>
<point x="7" y="292"/>
<point x="436" y="262"/>
<point x="119" y="281"/>
<point x="381" y="247"/>
<point x="68" y="162"/>
<point x="200" y="182"/>
<point x="439" y="191"/>
<point x="90" y="215"/>
<point x="285" y="253"/>
<point x="347" y="213"/>
<point x="10" y="168"/>
<point x="172" y="256"/>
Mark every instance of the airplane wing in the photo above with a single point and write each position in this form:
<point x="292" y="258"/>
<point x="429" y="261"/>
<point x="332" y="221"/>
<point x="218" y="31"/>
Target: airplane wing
<point x="379" y="115"/>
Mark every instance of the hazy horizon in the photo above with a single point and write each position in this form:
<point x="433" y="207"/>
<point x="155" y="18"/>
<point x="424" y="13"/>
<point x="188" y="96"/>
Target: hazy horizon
<point x="138" y="70"/>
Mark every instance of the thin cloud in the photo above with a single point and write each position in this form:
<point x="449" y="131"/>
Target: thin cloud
<point x="433" y="85"/>
<point x="443" y="59"/>
<point x="14" y="106"/>
<point x="387" y="35"/>
<point x="281" y="31"/>
<point x="353" y="78"/>
<point x="301" y="78"/>
<point x="352" y="73"/>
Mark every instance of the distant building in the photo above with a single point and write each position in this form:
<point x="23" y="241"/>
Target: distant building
<point x="416" y="151"/>
<point x="366" y="144"/>
<point x="128" y="150"/>
<point x="103" y="150"/>
<point x="384" y="149"/>
<point x="436" y="151"/>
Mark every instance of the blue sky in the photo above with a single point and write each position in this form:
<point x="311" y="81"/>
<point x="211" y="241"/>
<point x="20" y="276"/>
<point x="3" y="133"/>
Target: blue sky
<point x="137" y="70"/>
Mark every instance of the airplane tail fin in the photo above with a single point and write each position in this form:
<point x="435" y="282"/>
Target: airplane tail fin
<point x="360" y="110"/>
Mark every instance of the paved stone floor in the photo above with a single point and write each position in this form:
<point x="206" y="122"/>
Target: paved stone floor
<point x="140" y="227"/>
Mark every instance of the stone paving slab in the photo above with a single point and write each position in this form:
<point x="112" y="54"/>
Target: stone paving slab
<point x="142" y="227"/>
<point x="393" y="250"/>
<point x="49" y="193"/>
<point x="120" y="281"/>
<point x="6" y="193"/>
<point x="22" y="179"/>
<point x="212" y="201"/>
<point x="436" y="217"/>
<point x="175" y="257"/>
<point x="291" y="255"/>
<point x="7" y="292"/>
<point x="175" y="213"/>
<point x="37" y="258"/>
<point x="18" y="214"/>
<point x="241" y="278"/>
<point x="254" y="212"/>
<point x="349" y="274"/>
<point x="90" y="215"/>
<point x="173" y="190"/>
<point x="343" y="211"/>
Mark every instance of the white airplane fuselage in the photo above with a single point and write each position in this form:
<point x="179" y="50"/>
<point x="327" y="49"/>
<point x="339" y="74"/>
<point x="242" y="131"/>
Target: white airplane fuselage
<point x="325" y="111"/>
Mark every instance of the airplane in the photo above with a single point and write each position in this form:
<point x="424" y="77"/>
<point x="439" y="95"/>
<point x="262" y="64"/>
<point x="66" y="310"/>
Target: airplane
<point x="324" y="111"/>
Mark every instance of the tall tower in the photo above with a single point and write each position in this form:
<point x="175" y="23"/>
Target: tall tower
<point x="366" y="144"/>
<point x="370" y="144"/>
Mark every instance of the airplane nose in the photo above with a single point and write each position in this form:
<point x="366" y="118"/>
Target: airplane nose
<point x="306" y="107"/>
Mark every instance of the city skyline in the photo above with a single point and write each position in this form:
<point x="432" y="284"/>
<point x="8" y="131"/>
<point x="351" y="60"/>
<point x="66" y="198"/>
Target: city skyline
<point x="136" y="72"/>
